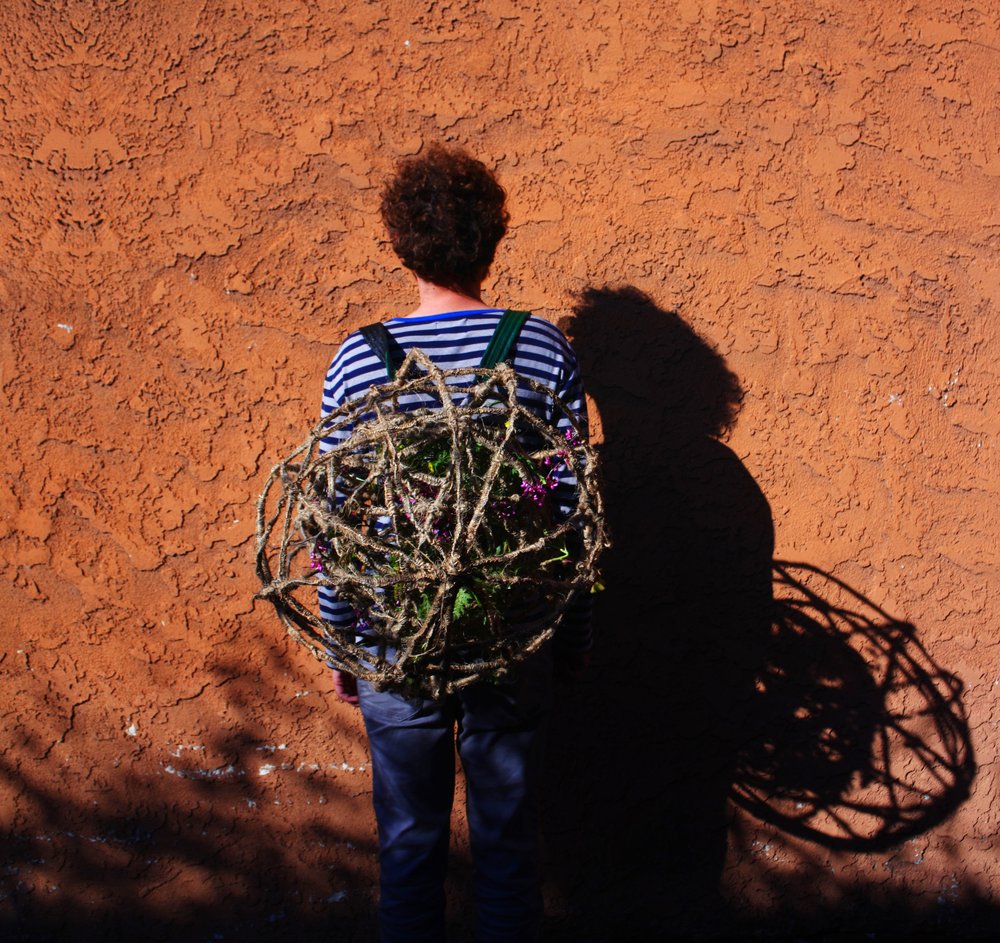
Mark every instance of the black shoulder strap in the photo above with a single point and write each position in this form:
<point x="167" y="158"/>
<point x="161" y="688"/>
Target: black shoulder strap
<point x="504" y="337"/>
<point x="386" y="347"/>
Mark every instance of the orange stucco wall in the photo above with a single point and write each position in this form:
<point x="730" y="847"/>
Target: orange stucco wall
<point x="772" y="233"/>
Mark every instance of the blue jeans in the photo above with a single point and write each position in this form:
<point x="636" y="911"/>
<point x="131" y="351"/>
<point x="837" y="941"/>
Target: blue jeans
<point x="500" y="738"/>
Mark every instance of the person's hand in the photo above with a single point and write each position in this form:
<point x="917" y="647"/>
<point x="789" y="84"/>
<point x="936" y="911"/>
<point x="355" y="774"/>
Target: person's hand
<point x="346" y="687"/>
<point x="570" y="668"/>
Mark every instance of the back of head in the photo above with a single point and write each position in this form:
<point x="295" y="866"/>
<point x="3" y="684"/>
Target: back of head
<point x="446" y="213"/>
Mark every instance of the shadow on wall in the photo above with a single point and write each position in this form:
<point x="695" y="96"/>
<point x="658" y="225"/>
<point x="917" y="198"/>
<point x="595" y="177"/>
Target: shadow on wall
<point x="232" y="838"/>
<point x="816" y="712"/>
<point x="857" y="740"/>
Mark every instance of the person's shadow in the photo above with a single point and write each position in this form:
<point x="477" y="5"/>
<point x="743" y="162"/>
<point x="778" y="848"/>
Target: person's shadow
<point x="816" y="712"/>
<point x="642" y="754"/>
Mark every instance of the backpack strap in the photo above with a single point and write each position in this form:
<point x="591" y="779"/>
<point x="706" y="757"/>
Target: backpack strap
<point x="386" y="347"/>
<point x="392" y="353"/>
<point x="504" y="337"/>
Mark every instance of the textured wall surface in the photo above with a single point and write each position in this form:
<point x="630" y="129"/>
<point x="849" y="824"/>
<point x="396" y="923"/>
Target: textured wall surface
<point x="773" y="234"/>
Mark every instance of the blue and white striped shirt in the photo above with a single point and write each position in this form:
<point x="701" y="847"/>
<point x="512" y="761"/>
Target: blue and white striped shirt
<point x="458" y="340"/>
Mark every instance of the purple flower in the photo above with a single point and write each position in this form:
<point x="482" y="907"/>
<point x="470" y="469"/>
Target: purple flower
<point x="503" y="507"/>
<point x="534" y="490"/>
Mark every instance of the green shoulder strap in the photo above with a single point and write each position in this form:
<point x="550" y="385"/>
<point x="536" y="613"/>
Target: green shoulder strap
<point x="504" y="337"/>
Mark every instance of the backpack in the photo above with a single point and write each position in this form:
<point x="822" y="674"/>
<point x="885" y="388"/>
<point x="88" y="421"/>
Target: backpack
<point x="456" y="522"/>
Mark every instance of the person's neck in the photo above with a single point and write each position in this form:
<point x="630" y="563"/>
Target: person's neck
<point x="441" y="299"/>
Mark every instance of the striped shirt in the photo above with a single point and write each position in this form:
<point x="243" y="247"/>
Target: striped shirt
<point x="458" y="340"/>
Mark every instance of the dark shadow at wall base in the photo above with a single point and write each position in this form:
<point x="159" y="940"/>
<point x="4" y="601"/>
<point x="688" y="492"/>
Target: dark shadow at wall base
<point x="855" y="920"/>
<point x="865" y="916"/>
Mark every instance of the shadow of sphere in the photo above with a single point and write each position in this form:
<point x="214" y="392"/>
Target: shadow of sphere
<point x="859" y="739"/>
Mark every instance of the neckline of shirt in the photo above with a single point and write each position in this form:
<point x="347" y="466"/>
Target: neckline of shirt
<point x="425" y="318"/>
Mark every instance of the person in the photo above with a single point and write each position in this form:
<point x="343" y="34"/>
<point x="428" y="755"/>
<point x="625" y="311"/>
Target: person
<point x="446" y="213"/>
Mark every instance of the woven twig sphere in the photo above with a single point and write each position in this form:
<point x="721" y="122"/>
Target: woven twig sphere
<point x="438" y="522"/>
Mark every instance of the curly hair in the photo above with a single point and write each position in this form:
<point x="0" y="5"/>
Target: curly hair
<point x="445" y="213"/>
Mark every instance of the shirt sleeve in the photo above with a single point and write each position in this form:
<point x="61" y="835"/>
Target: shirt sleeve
<point x="332" y="609"/>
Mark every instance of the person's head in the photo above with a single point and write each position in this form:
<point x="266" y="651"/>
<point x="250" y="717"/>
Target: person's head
<point x="445" y="213"/>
